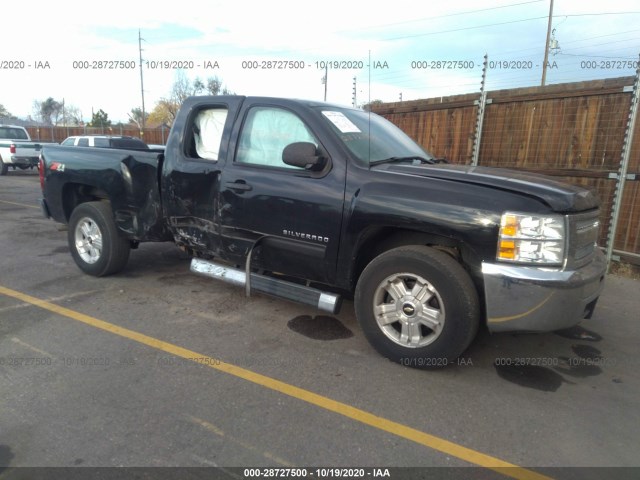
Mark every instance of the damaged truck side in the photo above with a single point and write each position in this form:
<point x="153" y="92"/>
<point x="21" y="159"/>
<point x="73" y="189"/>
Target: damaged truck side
<point x="309" y="201"/>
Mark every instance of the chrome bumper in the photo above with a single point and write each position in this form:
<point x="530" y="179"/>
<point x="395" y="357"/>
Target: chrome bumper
<point x="541" y="300"/>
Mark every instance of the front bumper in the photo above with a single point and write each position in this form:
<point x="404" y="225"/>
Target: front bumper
<point x="541" y="300"/>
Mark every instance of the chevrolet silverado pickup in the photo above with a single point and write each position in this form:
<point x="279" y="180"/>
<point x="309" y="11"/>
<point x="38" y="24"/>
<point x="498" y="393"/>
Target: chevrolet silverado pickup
<point x="16" y="149"/>
<point x="311" y="202"/>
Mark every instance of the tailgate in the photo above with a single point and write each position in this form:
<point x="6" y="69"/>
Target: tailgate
<point x="27" y="149"/>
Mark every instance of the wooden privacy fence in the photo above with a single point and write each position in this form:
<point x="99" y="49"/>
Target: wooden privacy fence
<point x="574" y="131"/>
<point x="47" y="133"/>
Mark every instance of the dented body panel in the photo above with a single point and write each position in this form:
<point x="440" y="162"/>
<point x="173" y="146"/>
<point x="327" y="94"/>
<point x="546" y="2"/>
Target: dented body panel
<point x="127" y="178"/>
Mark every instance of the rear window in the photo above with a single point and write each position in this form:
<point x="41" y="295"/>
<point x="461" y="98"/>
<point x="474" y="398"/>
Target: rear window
<point x="101" y="142"/>
<point x="13" y="133"/>
<point x="83" y="142"/>
<point x="128" y="143"/>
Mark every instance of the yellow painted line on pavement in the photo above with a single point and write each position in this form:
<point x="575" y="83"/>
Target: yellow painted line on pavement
<point x="19" y="204"/>
<point x="366" y="418"/>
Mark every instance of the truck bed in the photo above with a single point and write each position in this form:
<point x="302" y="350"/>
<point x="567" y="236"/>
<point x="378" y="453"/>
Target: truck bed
<point x="130" y="176"/>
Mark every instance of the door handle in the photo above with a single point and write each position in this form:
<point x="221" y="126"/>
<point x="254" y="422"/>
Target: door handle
<point x="240" y="185"/>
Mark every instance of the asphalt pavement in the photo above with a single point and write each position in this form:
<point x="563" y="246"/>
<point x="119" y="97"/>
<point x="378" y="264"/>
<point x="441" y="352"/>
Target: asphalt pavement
<point x="157" y="367"/>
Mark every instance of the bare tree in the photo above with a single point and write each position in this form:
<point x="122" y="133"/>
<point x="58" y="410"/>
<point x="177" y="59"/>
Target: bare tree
<point x="135" y="116"/>
<point x="166" y="108"/>
<point x="72" y="116"/>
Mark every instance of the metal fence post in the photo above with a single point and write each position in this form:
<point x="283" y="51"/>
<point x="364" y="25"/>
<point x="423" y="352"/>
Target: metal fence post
<point x="482" y="103"/>
<point x="624" y="166"/>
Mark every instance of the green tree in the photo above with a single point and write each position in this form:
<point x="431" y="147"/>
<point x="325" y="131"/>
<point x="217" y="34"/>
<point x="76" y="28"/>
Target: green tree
<point x="372" y="105"/>
<point x="100" y="119"/>
<point x="215" y="87"/>
<point x="4" y="112"/>
<point x="49" y="111"/>
<point x="162" y="113"/>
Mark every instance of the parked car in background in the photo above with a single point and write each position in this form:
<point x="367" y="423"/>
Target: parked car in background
<point x="16" y="149"/>
<point x="106" y="141"/>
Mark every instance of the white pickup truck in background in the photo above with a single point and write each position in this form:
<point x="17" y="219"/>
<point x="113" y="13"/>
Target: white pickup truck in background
<point x="16" y="149"/>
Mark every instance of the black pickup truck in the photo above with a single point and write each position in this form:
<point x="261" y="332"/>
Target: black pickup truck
<point x="311" y="201"/>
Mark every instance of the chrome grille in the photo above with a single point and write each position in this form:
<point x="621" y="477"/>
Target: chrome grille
<point x="583" y="234"/>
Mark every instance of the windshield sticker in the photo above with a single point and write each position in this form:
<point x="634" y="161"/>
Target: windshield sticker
<point x="341" y="122"/>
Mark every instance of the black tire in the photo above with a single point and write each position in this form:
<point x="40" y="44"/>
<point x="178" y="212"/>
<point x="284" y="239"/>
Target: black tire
<point x="417" y="285"/>
<point x="4" y="168"/>
<point x="90" y="223"/>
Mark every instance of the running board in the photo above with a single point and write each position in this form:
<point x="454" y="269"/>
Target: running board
<point x="327" y="302"/>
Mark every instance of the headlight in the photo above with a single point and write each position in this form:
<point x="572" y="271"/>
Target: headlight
<point x="538" y="239"/>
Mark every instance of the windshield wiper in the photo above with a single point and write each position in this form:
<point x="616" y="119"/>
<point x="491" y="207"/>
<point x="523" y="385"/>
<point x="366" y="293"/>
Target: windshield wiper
<point x="402" y="159"/>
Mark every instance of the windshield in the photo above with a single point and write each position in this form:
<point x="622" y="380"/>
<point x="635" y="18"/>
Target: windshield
<point x="370" y="137"/>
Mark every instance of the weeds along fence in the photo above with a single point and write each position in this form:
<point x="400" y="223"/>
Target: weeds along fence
<point x="580" y="132"/>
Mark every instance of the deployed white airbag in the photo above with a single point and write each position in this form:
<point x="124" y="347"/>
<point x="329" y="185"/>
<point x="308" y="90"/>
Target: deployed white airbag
<point x="210" y="124"/>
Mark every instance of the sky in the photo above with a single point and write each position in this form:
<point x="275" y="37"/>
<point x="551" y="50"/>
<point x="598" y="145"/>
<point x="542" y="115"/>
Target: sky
<point x="402" y="49"/>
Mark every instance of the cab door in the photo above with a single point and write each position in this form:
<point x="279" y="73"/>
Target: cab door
<point x="289" y="217"/>
<point x="191" y="181"/>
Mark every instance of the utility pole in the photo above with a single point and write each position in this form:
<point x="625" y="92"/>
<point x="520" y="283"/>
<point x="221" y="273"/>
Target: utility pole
<point x="546" y="46"/>
<point x="354" y="93"/>
<point x="482" y="104"/>
<point x="621" y="177"/>
<point x="326" y="80"/>
<point x="400" y="96"/>
<point x="64" y="118"/>
<point x="141" y="79"/>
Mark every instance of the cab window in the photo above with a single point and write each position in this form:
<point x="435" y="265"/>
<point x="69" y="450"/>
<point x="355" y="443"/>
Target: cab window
<point x="205" y="133"/>
<point x="266" y="133"/>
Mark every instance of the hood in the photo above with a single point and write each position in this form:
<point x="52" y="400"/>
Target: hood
<point x="561" y="197"/>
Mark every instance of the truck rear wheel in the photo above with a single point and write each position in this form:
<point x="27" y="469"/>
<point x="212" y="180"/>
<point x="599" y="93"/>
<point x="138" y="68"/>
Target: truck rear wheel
<point x="95" y="244"/>
<point x="417" y="306"/>
<point x="4" y="168"/>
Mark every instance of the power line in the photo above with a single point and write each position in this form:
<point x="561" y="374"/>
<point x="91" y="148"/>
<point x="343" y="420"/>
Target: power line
<point x="593" y="56"/>
<point x="595" y="14"/>
<point x="465" y="28"/>
<point x="384" y="25"/>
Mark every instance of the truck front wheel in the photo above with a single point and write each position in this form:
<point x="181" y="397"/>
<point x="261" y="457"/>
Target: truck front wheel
<point x="417" y="306"/>
<point x="95" y="244"/>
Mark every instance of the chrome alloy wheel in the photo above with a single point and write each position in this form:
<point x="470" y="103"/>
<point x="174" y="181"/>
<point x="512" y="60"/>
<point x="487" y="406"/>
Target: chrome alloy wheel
<point x="88" y="240"/>
<point x="408" y="310"/>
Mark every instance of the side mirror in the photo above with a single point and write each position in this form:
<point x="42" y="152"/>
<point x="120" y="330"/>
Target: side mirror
<point x="304" y="155"/>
